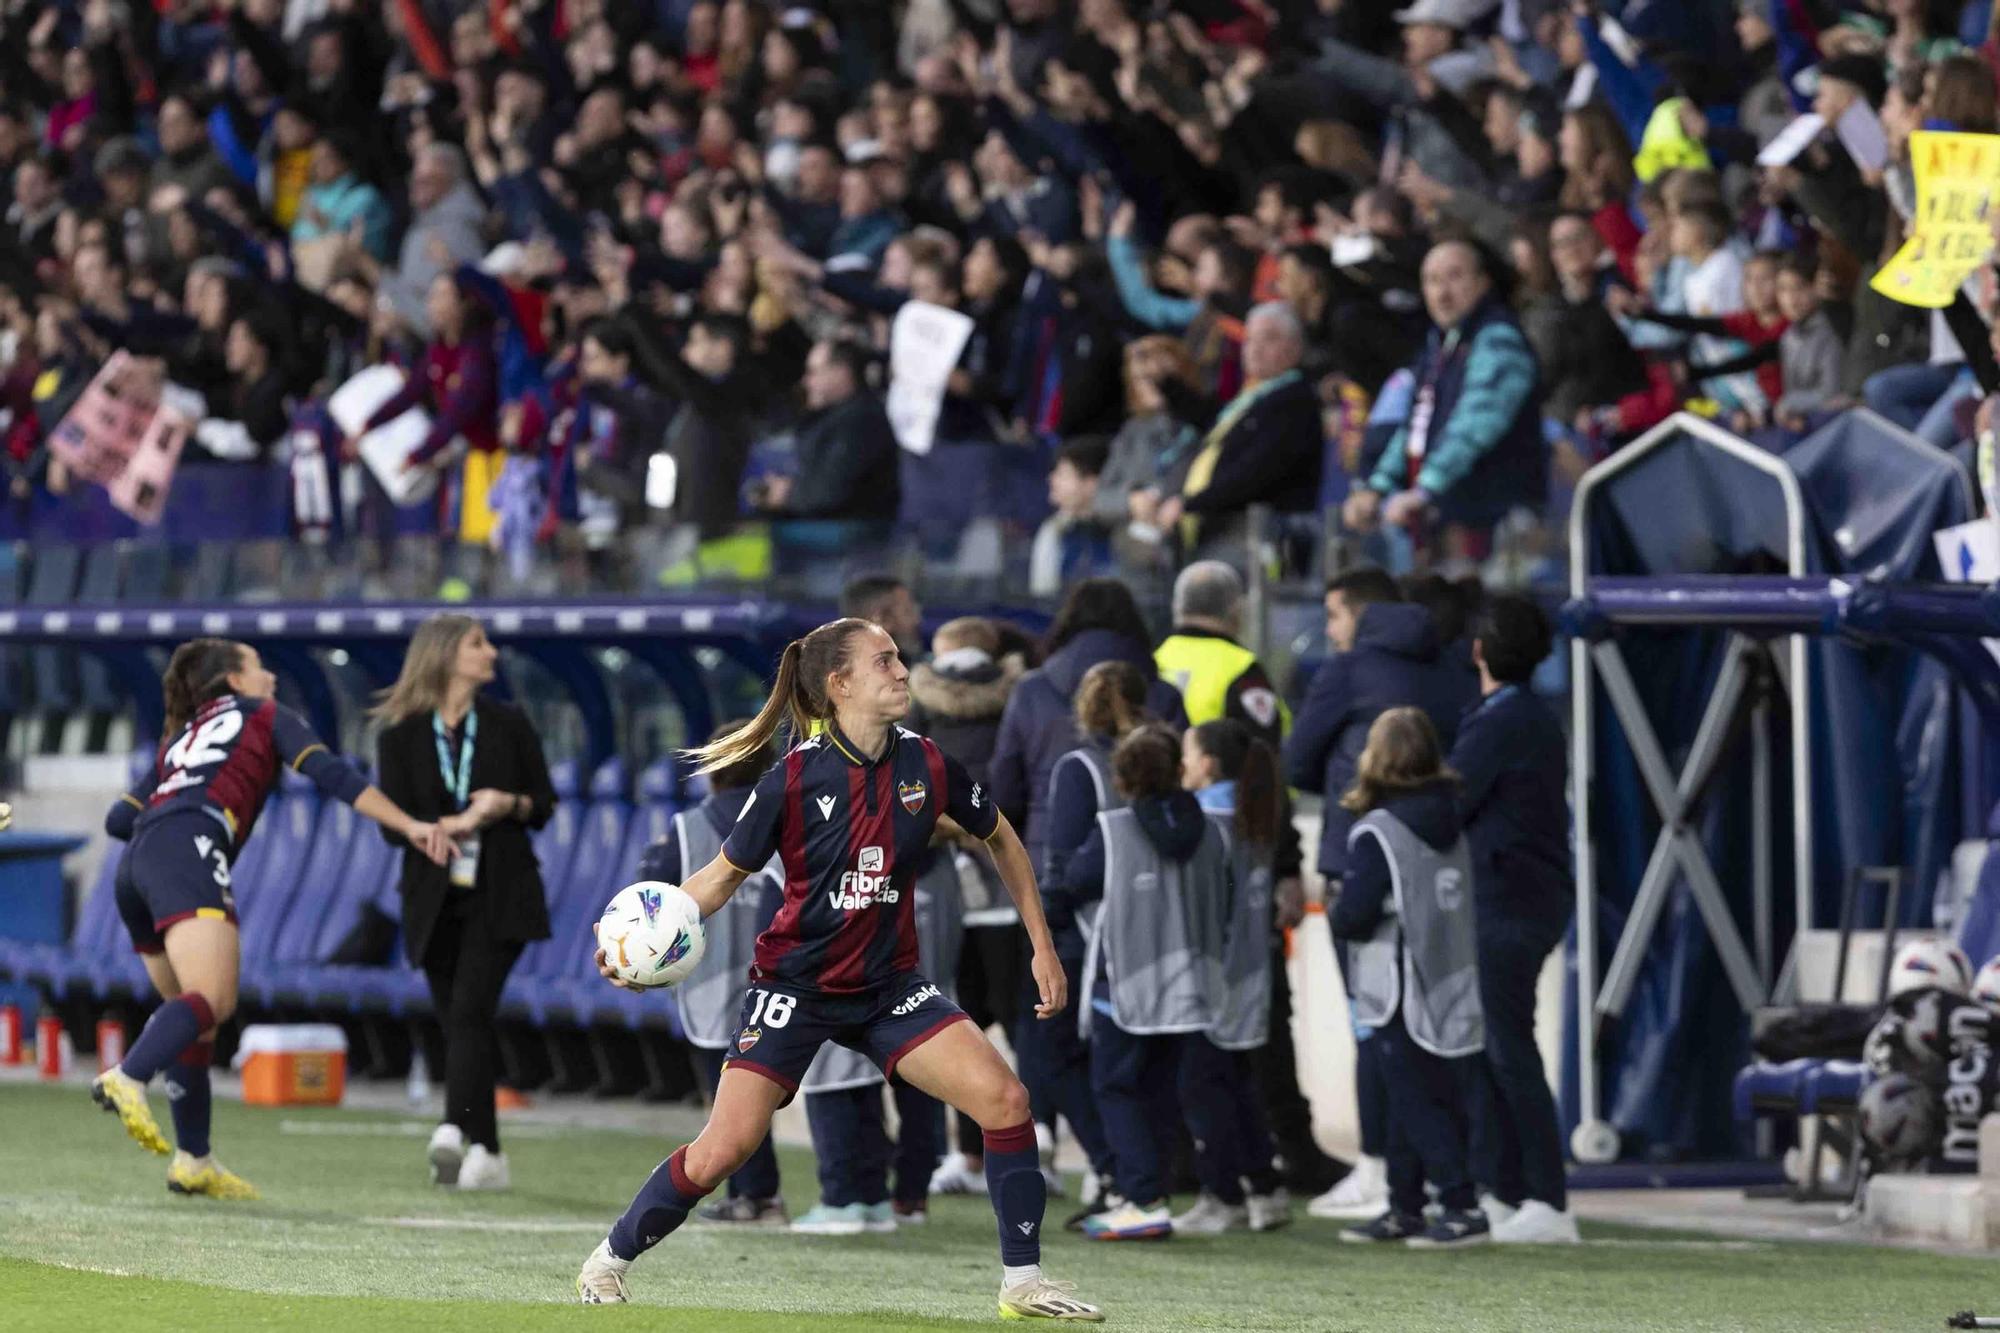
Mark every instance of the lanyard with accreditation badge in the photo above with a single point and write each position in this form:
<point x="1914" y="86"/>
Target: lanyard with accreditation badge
<point x="458" y="786"/>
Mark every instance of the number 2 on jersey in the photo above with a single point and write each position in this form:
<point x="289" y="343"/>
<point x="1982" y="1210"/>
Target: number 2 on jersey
<point x="772" y="1008"/>
<point x="207" y="743"/>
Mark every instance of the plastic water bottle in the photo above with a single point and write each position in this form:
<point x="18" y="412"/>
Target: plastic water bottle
<point x="419" y="1086"/>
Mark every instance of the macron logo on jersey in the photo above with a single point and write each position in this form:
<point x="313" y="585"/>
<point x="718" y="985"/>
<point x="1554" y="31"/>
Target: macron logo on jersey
<point x="825" y="804"/>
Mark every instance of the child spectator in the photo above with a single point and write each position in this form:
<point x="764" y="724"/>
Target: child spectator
<point x="1407" y="906"/>
<point x="1074" y="542"/>
<point x="1809" y="353"/>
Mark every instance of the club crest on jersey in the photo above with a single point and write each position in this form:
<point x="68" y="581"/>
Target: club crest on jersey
<point x="749" y="1038"/>
<point x="912" y="795"/>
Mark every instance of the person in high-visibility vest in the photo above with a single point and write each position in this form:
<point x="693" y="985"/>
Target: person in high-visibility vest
<point x="1216" y="675"/>
<point x="1220" y="678"/>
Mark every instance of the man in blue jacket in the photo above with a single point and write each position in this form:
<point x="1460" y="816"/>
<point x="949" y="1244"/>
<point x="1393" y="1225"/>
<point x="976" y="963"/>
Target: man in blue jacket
<point x="1514" y="772"/>
<point x="1472" y="450"/>
<point x="1385" y="654"/>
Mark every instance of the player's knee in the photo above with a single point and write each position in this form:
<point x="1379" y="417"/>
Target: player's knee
<point x="714" y="1157"/>
<point x="1010" y="1105"/>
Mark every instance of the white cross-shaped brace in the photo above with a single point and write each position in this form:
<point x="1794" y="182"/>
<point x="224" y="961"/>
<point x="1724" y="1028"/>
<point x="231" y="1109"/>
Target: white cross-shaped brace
<point x="1678" y="844"/>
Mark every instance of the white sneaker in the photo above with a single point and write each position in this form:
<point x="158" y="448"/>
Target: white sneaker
<point x="955" y="1176"/>
<point x="483" y="1170"/>
<point x="1210" y="1216"/>
<point x="1496" y="1211"/>
<point x="602" y="1281"/>
<point x="1270" y="1211"/>
<point x="1131" y="1221"/>
<point x="1361" y="1195"/>
<point x="1536" y="1223"/>
<point x="447" y="1152"/>
<point x="1092" y="1188"/>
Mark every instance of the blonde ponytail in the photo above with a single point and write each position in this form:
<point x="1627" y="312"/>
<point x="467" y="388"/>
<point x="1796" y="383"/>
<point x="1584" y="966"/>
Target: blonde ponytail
<point x="798" y="693"/>
<point x="757" y="734"/>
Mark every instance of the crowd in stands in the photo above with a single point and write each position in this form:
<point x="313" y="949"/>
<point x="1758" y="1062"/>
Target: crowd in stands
<point x="640" y="261"/>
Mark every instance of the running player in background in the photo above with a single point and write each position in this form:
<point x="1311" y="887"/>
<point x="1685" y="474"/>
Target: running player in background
<point x="850" y="811"/>
<point x="185" y="824"/>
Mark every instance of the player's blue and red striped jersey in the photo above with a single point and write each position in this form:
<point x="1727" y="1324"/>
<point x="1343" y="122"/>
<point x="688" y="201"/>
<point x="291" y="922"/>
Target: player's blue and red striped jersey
<point x="851" y="833"/>
<point x="225" y="762"/>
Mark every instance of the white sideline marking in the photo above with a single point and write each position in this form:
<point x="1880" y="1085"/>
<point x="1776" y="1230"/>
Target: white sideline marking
<point x="1733" y="1246"/>
<point x="90" y="1268"/>
<point x="529" y="1226"/>
<point x="396" y="1129"/>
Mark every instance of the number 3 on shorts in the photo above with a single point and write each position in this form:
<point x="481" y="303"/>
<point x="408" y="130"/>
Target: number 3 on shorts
<point x="770" y="1007"/>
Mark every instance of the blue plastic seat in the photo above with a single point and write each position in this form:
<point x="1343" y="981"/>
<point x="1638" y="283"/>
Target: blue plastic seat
<point x="301" y="877"/>
<point x="99" y="935"/>
<point x="1834" y="1087"/>
<point x="53" y="673"/>
<point x="98" y="586"/>
<point x="595" y="873"/>
<point x="264" y="904"/>
<point x="1764" y="1088"/>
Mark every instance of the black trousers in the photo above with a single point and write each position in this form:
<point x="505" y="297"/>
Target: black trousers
<point x="1275" y="1066"/>
<point x="1224" y="1111"/>
<point x="990" y="966"/>
<point x="1517" y="1143"/>
<point x="1429" y="1121"/>
<point x="466" y="968"/>
<point x="850" y="1134"/>
<point x="1133" y="1078"/>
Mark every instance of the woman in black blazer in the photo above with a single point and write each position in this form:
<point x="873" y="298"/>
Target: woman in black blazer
<point x="475" y="766"/>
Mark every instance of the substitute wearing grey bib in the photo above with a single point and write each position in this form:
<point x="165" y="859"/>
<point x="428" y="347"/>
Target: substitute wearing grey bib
<point x="1242" y="1019"/>
<point x="1095" y="760"/>
<point x="940" y="934"/>
<point x="1159" y="933"/>
<point x="711" y="1000"/>
<point x="1424" y="954"/>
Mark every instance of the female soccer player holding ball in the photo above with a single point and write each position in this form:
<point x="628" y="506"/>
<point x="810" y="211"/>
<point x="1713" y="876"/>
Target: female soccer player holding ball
<point x="848" y="811"/>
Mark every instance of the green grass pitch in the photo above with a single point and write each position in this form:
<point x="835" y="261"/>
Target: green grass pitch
<point x="350" y="1236"/>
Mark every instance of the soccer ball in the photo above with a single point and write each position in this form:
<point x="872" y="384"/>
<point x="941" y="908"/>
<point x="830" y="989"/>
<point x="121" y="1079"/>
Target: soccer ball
<point x="1899" y="1117"/>
<point x="1929" y="962"/>
<point x="1986" y="986"/>
<point x="651" y="934"/>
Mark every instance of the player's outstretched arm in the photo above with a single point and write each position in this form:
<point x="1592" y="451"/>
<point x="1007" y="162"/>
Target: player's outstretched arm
<point x="714" y="885"/>
<point x="429" y="839"/>
<point x="1017" y="872"/>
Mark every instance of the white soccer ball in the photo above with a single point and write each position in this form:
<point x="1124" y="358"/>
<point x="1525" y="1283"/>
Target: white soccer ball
<point x="1986" y="986"/>
<point x="651" y="934"/>
<point x="1930" y="962"/>
<point x="1899" y="1117"/>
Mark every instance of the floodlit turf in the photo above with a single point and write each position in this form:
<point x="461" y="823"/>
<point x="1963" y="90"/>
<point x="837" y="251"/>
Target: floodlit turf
<point x="349" y="1236"/>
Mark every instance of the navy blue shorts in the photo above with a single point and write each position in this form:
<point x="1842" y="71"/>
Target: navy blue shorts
<point x="174" y="870"/>
<point x="783" y="1027"/>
